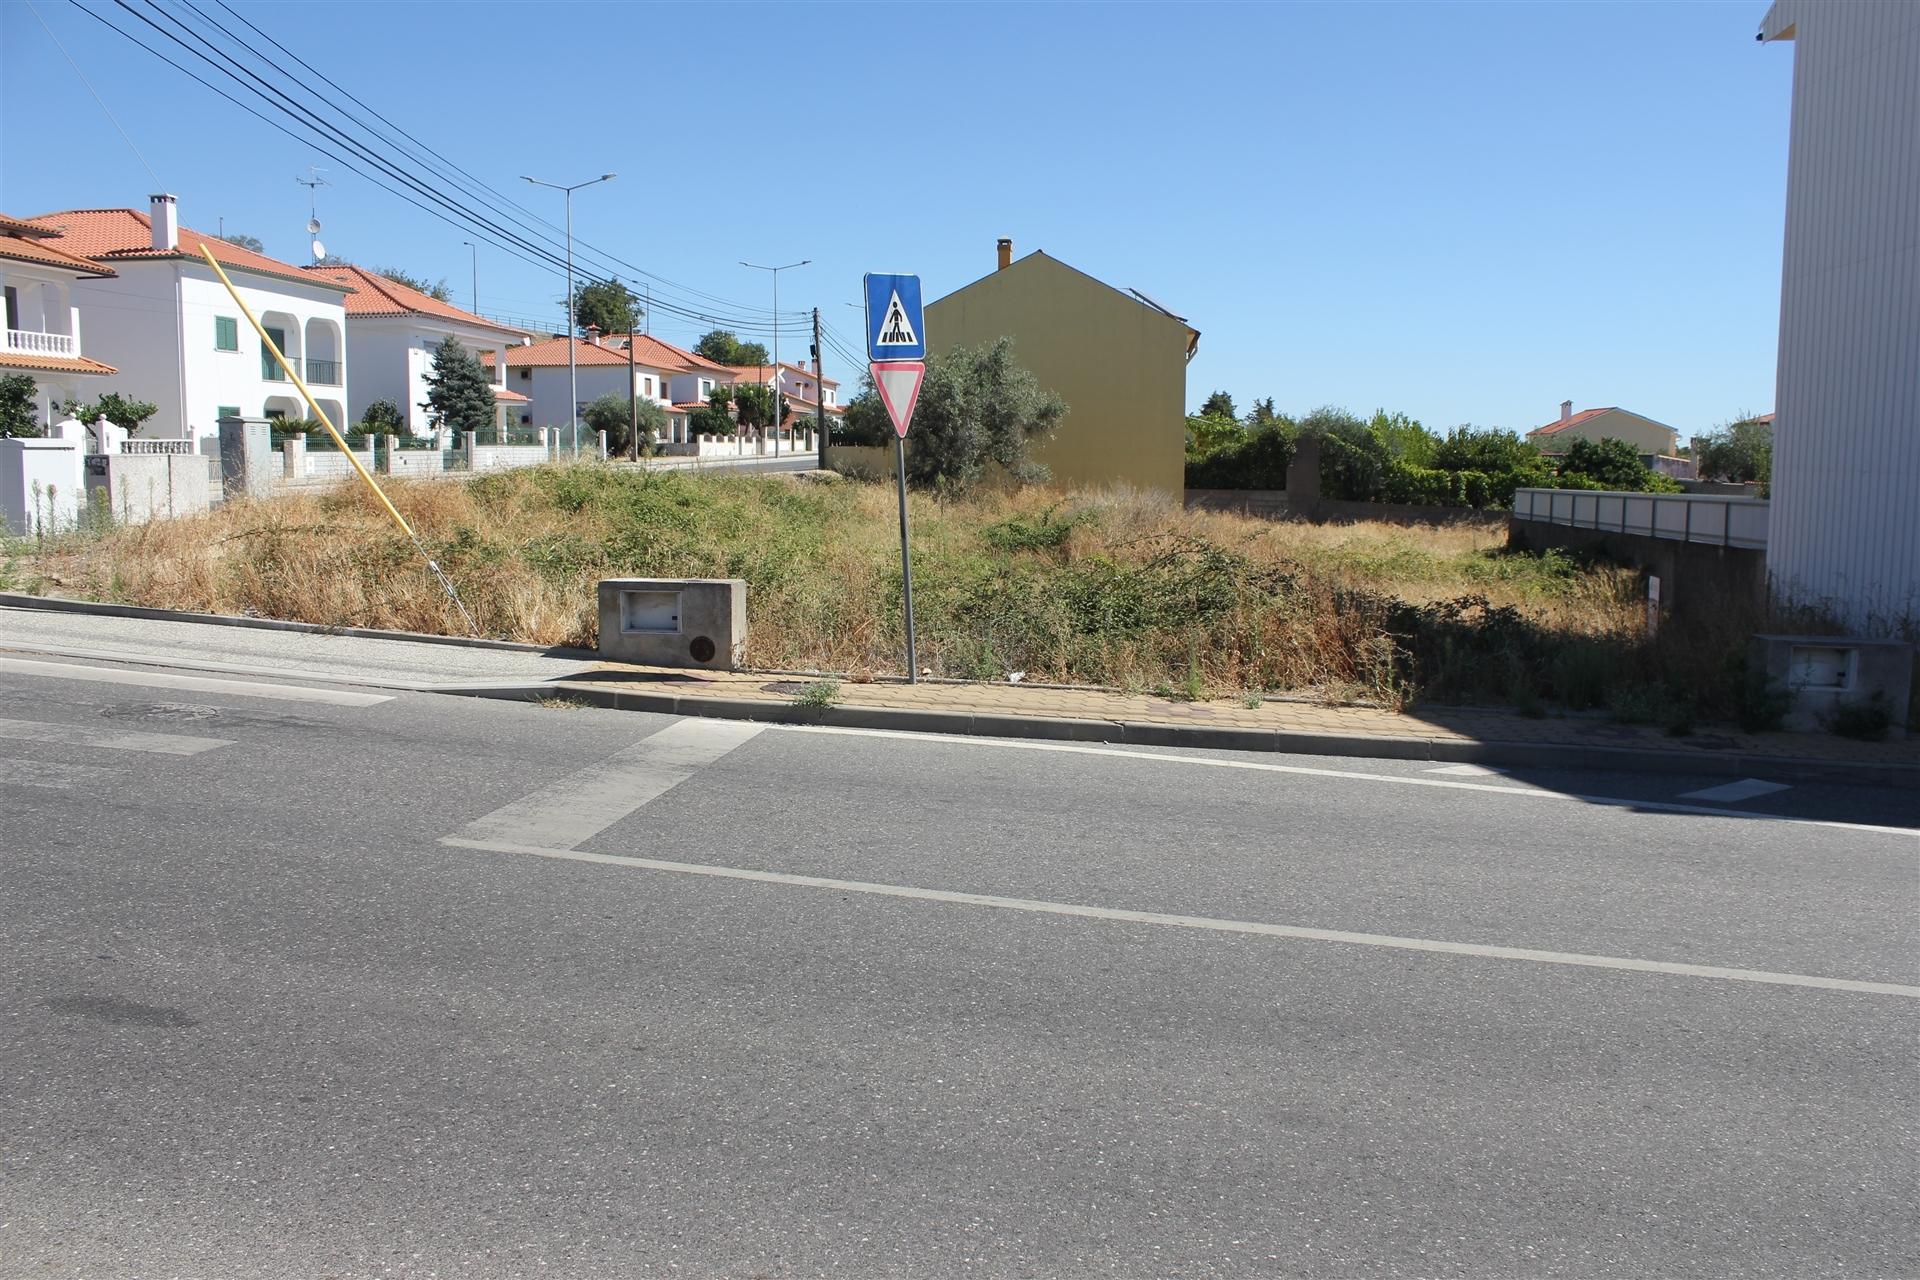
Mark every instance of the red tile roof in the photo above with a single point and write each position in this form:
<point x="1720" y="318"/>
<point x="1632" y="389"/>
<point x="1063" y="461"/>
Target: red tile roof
<point x="25" y="242"/>
<point x="650" y="352"/>
<point x="549" y="352"/>
<point x="1567" y="423"/>
<point x="510" y="397"/>
<point x="375" y="295"/>
<point x="763" y="373"/>
<point x="52" y="364"/>
<point x="124" y="234"/>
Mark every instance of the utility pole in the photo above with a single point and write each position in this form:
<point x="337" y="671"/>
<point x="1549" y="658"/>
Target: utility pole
<point x="633" y="405"/>
<point x="573" y="369"/>
<point x="776" y="340"/>
<point x="819" y="395"/>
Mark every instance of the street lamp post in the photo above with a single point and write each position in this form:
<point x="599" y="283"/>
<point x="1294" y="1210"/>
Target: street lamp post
<point x="775" y="271"/>
<point x="476" y="273"/>
<point x="573" y="371"/>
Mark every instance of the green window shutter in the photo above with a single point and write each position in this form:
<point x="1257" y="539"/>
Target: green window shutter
<point x="227" y="411"/>
<point x="226" y="333"/>
<point x="269" y="367"/>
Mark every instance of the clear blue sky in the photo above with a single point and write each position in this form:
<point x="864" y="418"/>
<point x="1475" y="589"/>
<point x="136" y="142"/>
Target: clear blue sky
<point x="1465" y="212"/>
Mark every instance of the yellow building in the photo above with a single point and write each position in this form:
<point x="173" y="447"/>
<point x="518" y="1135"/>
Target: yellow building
<point x="1116" y="357"/>
<point x="1649" y="438"/>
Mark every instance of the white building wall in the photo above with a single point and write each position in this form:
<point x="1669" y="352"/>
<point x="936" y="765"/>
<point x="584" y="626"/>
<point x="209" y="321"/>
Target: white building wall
<point x="547" y="388"/>
<point x="392" y="356"/>
<point x="1846" y="442"/>
<point x="132" y="323"/>
<point x="154" y="322"/>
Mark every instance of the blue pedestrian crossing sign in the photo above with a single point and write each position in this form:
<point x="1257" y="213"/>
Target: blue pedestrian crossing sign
<point x="895" y="328"/>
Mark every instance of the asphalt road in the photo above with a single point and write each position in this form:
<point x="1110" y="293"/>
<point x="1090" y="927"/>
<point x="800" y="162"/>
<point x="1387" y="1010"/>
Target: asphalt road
<point x="304" y="983"/>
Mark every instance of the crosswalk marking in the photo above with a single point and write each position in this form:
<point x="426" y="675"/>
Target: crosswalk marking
<point x="1734" y="792"/>
<point x="202" y="684"/>
<point x="81" y="735"/>
<point x="584" y="804"/>
<point x="1466" y="771"/>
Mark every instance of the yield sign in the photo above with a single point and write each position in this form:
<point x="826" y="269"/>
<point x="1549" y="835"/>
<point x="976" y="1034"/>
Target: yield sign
<point x="899" y="384"/>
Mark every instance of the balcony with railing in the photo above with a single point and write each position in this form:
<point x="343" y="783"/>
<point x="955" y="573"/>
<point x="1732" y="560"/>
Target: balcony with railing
<point x="325" y="373"/>
<point x="34" y="343"/>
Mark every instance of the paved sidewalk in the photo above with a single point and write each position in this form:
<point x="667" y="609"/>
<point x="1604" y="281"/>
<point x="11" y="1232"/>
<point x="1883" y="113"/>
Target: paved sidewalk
<point x="1426" y="732"/>
<point x="485" y="669"/>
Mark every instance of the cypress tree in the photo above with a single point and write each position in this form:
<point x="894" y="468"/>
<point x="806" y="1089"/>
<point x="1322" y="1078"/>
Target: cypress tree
<point x="459" y="396"/>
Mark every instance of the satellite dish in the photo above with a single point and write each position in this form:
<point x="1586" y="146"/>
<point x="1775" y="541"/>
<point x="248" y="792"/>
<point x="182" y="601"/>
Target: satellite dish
<point x="313" y="226"/>
<point x="319" y="251"/>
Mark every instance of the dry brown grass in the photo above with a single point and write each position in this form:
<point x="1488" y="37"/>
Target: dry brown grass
<point x="1113" y="588"/>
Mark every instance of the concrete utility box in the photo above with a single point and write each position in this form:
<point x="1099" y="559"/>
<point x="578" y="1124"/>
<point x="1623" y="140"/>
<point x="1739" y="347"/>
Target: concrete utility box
<point x="674" y="622"/>
<point x="1822" y="673"/>
<point x="137" y="487"/>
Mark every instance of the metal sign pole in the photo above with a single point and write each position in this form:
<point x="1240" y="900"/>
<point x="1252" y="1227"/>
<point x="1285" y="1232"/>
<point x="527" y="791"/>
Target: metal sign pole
<point x="906" y="560"/>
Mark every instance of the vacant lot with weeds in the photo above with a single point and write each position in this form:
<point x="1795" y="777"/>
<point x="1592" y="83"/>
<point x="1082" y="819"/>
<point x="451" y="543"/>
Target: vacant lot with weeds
<point x="1111" y="588"/>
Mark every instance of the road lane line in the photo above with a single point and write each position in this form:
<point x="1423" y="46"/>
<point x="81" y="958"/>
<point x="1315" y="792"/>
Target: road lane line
<point x="1297" y="933"/>
<point x="165" y="744"/>
<point x="583" y="804"/>
<point x="203" y="684"/>
<point x="1261" y="766"/>
<point x="1734" y="792"/>
<point x="1466" y="771"/>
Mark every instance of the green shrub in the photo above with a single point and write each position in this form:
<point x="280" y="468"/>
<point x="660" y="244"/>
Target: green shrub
<point x="1867" y="719"/>
<point x="1258" y="462"/>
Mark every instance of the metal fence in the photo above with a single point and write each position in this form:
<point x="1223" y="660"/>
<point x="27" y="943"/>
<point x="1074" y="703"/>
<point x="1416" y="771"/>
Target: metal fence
<point x="1713" y="519"/>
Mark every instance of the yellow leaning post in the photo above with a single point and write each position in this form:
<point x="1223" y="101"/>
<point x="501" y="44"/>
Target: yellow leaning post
<point x="320" y="416"/>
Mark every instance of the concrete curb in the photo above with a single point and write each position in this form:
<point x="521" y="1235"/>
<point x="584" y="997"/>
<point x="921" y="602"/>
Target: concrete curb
<point x="1130" y="733"/>
<point x="1362" y="746"/>
<point x="56" y="604"/>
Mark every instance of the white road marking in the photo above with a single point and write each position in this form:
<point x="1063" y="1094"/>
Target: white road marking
<point x="203" y="684"/>
<point x="1465" y="771"/>
<point x="166" y="744"/>
<point x="1294" y="932"/>
<point x="1261" y="766"/>
<point x="585" y="803"/>
<point x="1734" y="792"/>
<point x="41" y="773"/>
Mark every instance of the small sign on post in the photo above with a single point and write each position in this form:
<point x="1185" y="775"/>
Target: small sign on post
<point x="897" y="352"/>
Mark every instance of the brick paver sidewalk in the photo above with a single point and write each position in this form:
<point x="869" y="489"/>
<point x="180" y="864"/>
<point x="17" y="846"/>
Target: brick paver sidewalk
<point x="1443" y="724"/>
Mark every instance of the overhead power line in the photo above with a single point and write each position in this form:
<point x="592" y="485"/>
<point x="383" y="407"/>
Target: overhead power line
<point x="513" y="236"/>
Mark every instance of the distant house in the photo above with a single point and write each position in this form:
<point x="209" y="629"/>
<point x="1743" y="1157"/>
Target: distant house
<point x="1650" y="439"/>
<point x="170" y="329"/>
<point x="42" y="334"/>
<point x="803" y="388"/>
<point x="1116" y="357"/>
<point x="392" y="331"/>
<point x="671" y="377"/>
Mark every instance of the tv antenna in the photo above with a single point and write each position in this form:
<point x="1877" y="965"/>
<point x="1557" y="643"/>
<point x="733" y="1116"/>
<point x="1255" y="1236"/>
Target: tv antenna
<point x="313" y="182"/>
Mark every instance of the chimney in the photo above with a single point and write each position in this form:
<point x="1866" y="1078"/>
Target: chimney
<point x="166" y="222"/>
<point x="1006" y="253"/>
<point x="593" y="335"/>
<point x="1566" y="410"/>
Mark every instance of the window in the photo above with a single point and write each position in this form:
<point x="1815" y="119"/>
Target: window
<point x="269" y="367"/>
<point x="706" y="387"/>
<point x="227" y="411"/>
<point x="526" y="375"/>
<point x="13" y="307"/>
<point x="649" y="383"/>
<point x="226" y="333"/>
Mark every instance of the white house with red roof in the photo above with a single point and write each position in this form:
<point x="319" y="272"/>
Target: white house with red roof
<point x="169" y="328"/>
<point x="653" y="370"/>
<point x="803" y="388"/>
<point x="392" y="332"/>
<point x="41" y="338"/>
<point x="1648" y="438"/>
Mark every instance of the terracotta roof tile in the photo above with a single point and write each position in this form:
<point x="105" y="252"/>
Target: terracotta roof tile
<point x="127" y="234"/>
<point x="53" y="364"/>
<point x="1553" y="428"/>
<point x="375" y="295"/>
<point x="25" y="242"/>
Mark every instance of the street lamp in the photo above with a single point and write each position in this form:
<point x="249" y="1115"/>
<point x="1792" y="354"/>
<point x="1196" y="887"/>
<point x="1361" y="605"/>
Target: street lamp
<point x="476" y="274"/>
<point x="573" y="371"/>
<point x="776" y="339"/>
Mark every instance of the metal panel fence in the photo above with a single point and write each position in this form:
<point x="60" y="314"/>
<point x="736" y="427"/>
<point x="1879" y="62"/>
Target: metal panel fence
<point x="1713" y="519"/>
